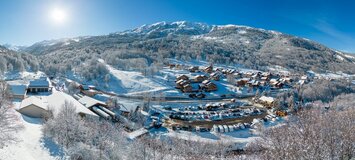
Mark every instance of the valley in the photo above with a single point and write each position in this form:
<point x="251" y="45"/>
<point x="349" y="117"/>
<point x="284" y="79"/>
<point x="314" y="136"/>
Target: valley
<point x="223" y="87"/>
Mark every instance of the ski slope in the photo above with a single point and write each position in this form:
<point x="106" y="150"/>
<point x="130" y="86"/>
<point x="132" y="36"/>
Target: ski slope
<point x="134" y="82"/>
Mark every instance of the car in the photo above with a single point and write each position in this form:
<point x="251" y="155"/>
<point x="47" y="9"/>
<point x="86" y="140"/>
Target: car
<point x="192" y="95"/>
<point x="200" y="95"/>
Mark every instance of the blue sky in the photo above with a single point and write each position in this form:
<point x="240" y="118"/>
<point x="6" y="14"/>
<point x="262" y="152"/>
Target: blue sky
<point x="24" y="22"/>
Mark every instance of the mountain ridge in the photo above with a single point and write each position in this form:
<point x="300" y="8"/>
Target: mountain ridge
<point x="229" y="44"/>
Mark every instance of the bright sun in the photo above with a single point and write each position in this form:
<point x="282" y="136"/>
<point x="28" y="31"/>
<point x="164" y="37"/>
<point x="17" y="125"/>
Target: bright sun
<point x="58" y="16"/>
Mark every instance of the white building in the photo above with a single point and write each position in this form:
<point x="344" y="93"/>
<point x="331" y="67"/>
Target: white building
<point x="38" y="107"/>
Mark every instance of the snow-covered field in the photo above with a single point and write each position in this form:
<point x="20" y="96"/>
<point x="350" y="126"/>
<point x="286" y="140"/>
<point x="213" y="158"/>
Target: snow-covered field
<point x="30" y="145"/>
<point x="134" y="82"/>
<point x="21" y="77"/>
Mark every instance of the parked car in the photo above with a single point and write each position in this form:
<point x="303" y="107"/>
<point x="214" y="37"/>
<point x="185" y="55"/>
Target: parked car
<point x="200" y="95"/>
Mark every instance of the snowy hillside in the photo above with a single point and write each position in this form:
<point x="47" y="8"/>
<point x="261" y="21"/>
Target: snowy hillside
<point x="254" y="48"/>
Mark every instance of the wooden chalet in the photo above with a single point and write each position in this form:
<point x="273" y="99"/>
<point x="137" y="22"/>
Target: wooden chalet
<point x="208" y="86"/>
<point x="194" y="69"/>
<point x="183" y="77"/>
<point x="208" y="69"/>
<point x="216" y="76"/>
<point x="242" y="82"/>
<point x="266" y="101"/>
<point x="199" y="78"/>
<point x="180" y="83"/>
<point x="187" y="88"/>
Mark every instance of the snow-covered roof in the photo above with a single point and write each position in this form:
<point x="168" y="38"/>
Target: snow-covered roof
<point x="267" y="99"/>
<point x="137" y="133"/>
<point x="42" y="82"/>
<point x="89" y="102"/>
<point x="18" y="89"/>
<point x="58" y="99"/>
<point x="37" y="101"/>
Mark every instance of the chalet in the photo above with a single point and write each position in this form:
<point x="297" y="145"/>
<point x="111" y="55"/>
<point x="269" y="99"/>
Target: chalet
<point x="40" y="107"/>
<point x="216" y="76"/>
<point x="266" y="101"/>
<point x="208" y="86"/>
<point x="208" y="69"/>
<point x="180" y="83"/>
<point x="39" y="85"/>
<point x="279" y="84"/>
<point x="254" y="83"/>
<point x="266" y="74"/>
<point x="273" y="82"/>
<point x="183" y="77"/>
<point x="248" y="74"/>
<point x="229" y="71"/>
<point x="18" y="91"/>
<point x="265" y="78"/>
<point x="199" y="78"/>
<point x="194" y="69"/>
<point x="187" y="88"/>
<point x="33" y="107"/>
<point x="242" y="82"/>
<point x="288" y="80"/>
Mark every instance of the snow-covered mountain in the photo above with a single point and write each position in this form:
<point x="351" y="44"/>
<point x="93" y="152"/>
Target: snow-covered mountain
<point x="162" y="29"/>
<point x="55" y="43"/>
<point x="232" y="44"/>
<point x="14" y="47"/>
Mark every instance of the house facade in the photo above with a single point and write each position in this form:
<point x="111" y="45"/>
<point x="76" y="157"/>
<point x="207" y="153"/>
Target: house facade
<point x="39" y="85"/>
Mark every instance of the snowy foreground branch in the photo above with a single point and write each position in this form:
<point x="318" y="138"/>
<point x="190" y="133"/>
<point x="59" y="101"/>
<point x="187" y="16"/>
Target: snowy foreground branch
<point x="312" y="134"/>
<point x="8" y="120"/>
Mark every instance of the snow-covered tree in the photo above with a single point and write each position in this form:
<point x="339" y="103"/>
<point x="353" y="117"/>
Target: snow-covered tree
<point x="9" y="122"/>
<point x="66" y="128"/>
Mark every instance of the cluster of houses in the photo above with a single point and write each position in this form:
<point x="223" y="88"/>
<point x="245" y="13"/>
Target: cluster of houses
<point x="35" y="87"/>
<point x="187" y="85"/>
<point x="267" y="79"/>
<point x="38" y="100"/>
<point x="43" y="106"/>
<point x="261" y="79"/>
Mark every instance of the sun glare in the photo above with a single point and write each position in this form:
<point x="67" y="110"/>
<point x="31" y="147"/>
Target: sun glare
<point x="58" y="16"/>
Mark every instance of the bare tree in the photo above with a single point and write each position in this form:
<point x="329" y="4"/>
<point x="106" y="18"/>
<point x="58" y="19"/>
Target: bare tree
<point x="312" y="134"/>
<point x="66" y="127"/>
<point x="8" y="120"/>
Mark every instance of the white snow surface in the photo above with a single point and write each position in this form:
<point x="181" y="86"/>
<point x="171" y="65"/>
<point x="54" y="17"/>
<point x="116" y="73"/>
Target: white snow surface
<point x="30" y="145"/>
<point x="133" y="82"/>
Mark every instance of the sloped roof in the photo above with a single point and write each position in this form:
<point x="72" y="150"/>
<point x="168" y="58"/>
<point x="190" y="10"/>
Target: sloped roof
<point x="267" y="99"/>
<point x="39" y="83"/>
<point x="89" y="102"/>
<point x="18" y="89"/>
<point x="39" y="102"/>
<point x="58" y="99"/>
